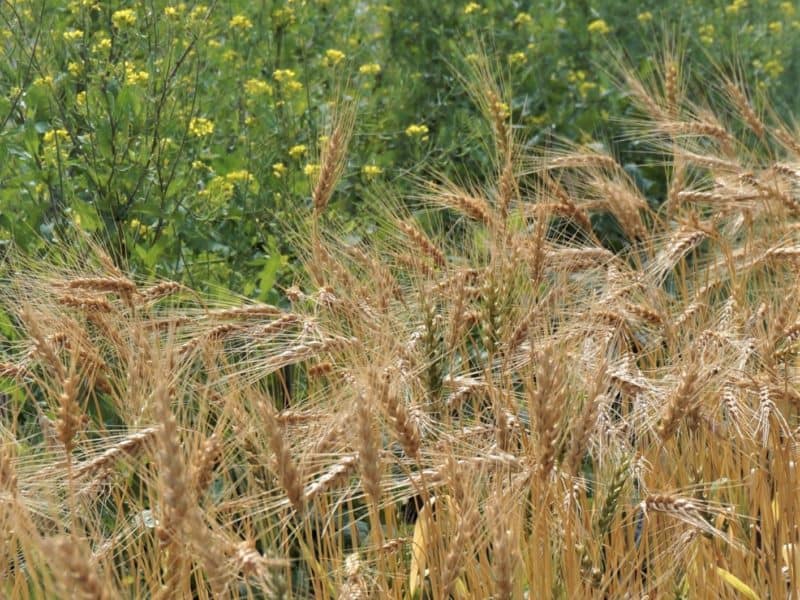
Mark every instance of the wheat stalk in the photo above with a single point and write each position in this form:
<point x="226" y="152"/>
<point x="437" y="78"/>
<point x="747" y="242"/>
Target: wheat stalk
<point x="75" y="572"/>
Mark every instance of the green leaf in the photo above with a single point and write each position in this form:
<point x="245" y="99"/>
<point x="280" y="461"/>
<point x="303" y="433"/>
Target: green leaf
<point x="268" y="274"/>
<point x="149" y="256"/>
<point x="88" y="216"/>
<point x="6" y="326"/>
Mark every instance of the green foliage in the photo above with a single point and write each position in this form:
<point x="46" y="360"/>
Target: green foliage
<point x="184" y="134"/>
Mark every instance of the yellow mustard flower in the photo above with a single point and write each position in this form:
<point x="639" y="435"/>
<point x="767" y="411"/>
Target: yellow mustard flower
<point x="80" y="98"/>
<point x="283" y="17"/>
<point x="773" y="68"/>
<point x="201" y="127"/>
<point x="369" y="69"/>
<point x="74" y="68"/>
<point x="137" y="227"/>
<point x="417" y="131"/>
<point x="472" y="7"/>
<point x="103" y="44"/>
<point x="293" y="86"/>
<point x="44" y="80"/>
<point x="297" y="151"/>
<point x="578" y="75"/>
<point x="775" y="27"/>
<point x="173" y="12"/>
<point x="279" y="169"/>
<point x="243" y="177"/>
<point x="706" y="34"/>
<point x="735" y="7"/>
<point x="54" y="142"/>
<point x="282" y="75"/>
<point x="585" y="87"/>
<point x="240" y="22"/>
<point x="598" y="26"/>
<point x="523" y="18"/>
<point x="787" y="8"/>
<point x="198" y="12"/>
<point x="371" y="171"/>
<point x="76" y="5"/>
<point x="134" y="76"/>
<point x="56" y="136"/>
<point x="218" y="190"/>
<point x="645" y="17"/>
<point x="73" y="35"/>
<point x="333" y="57"/>
<point x="125" y="17"/>
<point x="311" y="169"/>
<point x="257" y="87"/>
<point x="517" y="58"/>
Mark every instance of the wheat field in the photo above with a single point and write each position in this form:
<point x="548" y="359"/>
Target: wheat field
<point x="480" y="401"/>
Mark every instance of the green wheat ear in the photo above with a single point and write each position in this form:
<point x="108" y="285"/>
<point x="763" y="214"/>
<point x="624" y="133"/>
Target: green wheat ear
<point x="615" y="488"/>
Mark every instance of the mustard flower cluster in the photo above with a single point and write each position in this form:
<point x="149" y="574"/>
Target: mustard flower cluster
<point x="240" y="22"/>
<point x="333" y="57"/>
<point x="370" y="69"/>
<point x="417" y="131"/>
<point x="257" y="87"/>
<point x="599" y="26"/>
<point x="371" y="171"/>
<point x="201" y="127"/>
<point x="123" y="18"/>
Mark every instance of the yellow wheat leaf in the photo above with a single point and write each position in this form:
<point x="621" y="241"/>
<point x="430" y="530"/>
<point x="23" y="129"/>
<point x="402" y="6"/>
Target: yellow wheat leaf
<point x="445" y="522"/>
<point x="460" y="591"/>
<point x="419" y="557"/>
<point x="737" y="584"/>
